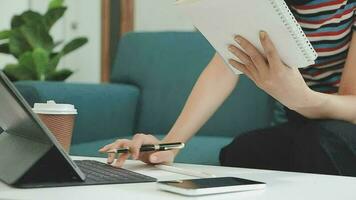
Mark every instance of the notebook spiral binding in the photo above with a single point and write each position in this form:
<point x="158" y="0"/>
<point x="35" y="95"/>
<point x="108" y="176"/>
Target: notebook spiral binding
<point x="298" y="34"/>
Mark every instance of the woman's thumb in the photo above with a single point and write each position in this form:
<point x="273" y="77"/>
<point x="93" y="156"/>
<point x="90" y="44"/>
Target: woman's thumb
<point x="162" y="157"/>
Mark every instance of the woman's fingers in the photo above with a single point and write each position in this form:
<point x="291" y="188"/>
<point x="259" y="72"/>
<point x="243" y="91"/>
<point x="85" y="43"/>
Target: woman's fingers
<point x="115" y="145"/>
<point x="137" y="141"/>
<point x="111" y="158"/>
<point x="253" y="53"/>
<point x="162" y="157"/>
<point x="270" y="50"/>
<point x="121" y="160"/>
<point x="135" y="145"/>
<point x="105" y="148"/>
<point x="245" y="59"/>
<point x="242" y="68"/>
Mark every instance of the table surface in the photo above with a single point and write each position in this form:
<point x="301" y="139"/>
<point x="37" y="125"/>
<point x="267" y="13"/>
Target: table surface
<point x="280" y="185"/>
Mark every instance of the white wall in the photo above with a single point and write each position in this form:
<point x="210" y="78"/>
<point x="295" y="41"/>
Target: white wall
<point x="6" y="12"/>
<point x="160" y="15"/>
<point x="86" y="15"/>
<point x="156" y="15"/>
<point x="83" y="14"/>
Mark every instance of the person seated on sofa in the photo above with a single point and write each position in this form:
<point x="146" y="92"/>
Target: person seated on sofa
<point x="320" y="101"/>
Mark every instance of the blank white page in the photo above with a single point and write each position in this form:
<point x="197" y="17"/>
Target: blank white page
<point x="220" y="20"/>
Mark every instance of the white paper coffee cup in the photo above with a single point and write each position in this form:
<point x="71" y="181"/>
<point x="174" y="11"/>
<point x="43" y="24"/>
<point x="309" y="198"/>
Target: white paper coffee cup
<point x="59" y="118"/>
<point x="52" y="108"/>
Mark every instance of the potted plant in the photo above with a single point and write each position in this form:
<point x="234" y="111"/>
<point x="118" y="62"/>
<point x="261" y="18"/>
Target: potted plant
<point x="30" y="42"/>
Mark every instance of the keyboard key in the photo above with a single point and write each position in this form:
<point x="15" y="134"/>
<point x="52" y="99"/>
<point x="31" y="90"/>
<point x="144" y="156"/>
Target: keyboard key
<point x="98" y="172"/>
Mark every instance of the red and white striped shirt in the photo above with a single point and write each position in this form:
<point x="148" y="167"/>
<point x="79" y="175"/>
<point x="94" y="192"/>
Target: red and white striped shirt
<point x="329" y="25"/>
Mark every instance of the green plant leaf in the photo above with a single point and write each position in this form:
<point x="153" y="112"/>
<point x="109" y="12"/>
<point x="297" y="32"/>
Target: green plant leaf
<point x="37" y="36"/>
<point x="4" y="48"/>
<point x="53" y="63"/>
<point x="30" y="42"/>
<point x="56" y="44"/>
<point x="60" y="75"/>
<point x="55" y="4"/>
<point x="30" y="33"/>
<point x="16" y="21"/>
<point x="17" y="73"/>
<point x="32" y="18"/>
<point x="53" y="15"/>
<point x="26" y="61"/>
<point x="5" y="35"/>
<point x="18" y="44"/>
<point x="74" y="44"/>
<point x="41" y="60"/>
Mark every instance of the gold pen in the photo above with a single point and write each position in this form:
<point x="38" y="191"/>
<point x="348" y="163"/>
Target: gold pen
<point x="151" y="147"/>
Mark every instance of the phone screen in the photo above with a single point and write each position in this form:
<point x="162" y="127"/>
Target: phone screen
<point x="210" y="182"/>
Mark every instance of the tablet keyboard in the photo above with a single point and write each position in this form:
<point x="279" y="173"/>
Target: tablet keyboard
<point x="101" y="173"/>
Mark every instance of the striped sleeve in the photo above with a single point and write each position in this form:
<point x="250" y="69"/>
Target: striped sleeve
<point x="354" y="26"/>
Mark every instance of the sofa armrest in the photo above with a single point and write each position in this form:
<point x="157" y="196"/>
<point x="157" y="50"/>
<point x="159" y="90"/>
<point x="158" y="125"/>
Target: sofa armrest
<point x="105" y="111"/>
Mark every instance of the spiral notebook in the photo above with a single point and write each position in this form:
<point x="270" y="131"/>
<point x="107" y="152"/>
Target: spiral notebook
<point x="220" y="20"/>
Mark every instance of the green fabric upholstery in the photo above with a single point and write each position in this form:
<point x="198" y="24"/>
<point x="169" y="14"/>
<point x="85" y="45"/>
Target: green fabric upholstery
<point x="30" y="93"/>
<point x="165" y="67"/>
<point x="154" y="74"/>
<point x="104" y="111"/>
<point x="90" y="148"/>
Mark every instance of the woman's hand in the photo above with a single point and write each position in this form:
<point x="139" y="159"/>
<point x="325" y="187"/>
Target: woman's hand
<point x="160" y="157"/>
<point x="269" y="73"/>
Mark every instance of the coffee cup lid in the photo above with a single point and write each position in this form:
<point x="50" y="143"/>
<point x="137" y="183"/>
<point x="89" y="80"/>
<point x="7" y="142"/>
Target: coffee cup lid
<point x="52" y="108"/>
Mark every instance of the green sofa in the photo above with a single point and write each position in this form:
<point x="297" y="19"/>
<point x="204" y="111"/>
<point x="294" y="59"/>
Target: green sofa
<point x="151" y="79"/>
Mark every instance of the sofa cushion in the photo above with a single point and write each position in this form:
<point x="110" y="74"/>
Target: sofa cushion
<point x="104" y="111"/>
<point x="165" y="67"/>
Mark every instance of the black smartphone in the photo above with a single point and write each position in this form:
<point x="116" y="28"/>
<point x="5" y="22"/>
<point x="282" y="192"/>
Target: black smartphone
<point x="205" y="186"/>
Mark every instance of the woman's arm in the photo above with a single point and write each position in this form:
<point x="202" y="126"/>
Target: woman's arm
<point x="212" y="88"/>
<point x="343" y="105"/>
<point x="287" y="85"/>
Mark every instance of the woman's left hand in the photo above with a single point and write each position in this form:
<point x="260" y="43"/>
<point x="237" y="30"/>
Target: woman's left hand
<point x="269" y="73"/>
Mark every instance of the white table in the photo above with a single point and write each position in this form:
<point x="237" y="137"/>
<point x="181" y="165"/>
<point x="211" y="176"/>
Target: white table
<point x="280" y="186"/>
